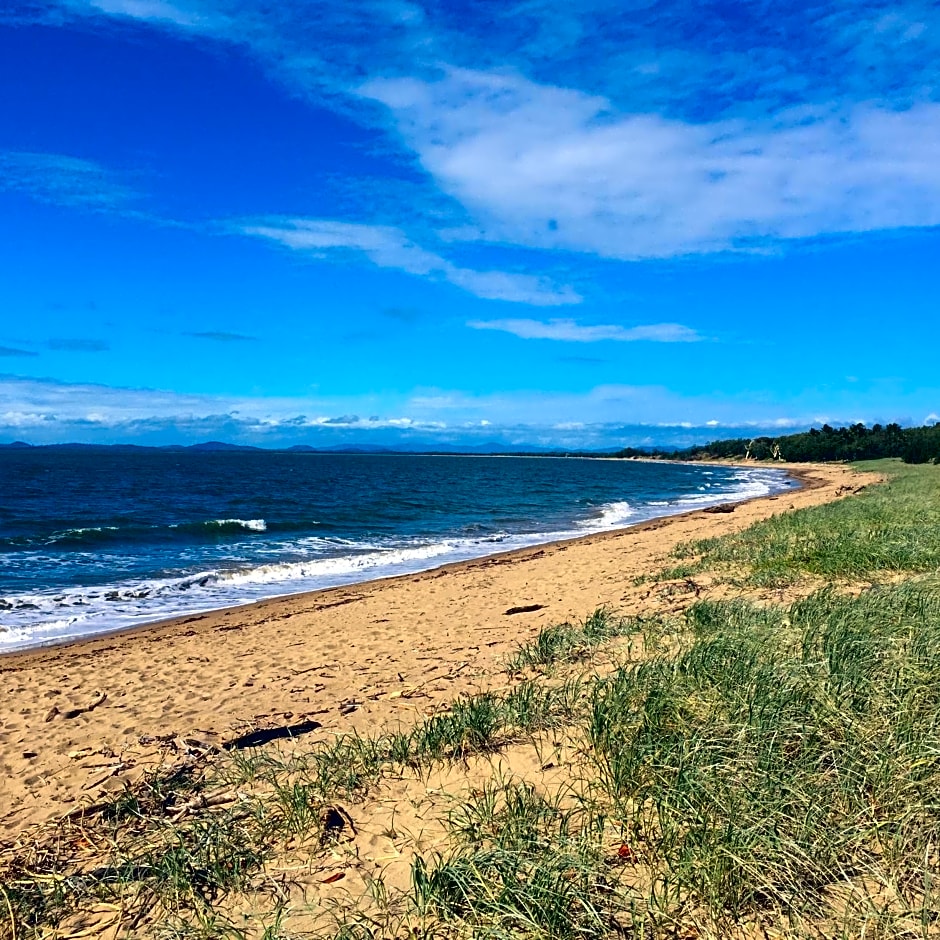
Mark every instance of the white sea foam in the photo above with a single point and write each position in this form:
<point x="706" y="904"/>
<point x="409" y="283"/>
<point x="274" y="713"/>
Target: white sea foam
<point x="40" y="618"/>
<point x="68" y="535"/>
<point x="611" y="516"/>
<point x="253" y="525"/>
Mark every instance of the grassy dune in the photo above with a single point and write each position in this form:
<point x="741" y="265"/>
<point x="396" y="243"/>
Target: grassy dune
<point x="748" y="767"/>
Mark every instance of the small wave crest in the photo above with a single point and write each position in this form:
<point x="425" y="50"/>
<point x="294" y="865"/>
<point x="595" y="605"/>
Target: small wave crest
<point x="610" y="516"/>
<point x="232" y="525"/>
<point x="82" y="535"/>
<point x="41" y="618"/>
<point x="79" y="537"/>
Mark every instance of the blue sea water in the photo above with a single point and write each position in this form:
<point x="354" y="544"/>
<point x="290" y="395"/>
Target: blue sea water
<point x="95" y="541"/>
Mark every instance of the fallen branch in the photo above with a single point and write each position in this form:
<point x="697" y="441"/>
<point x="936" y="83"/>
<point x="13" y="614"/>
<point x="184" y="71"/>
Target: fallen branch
<point x="75" y="712"/>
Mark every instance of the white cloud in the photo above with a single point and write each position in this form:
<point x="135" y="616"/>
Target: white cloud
<point x="185" y="16"/>
<point x="554" y="167"/>
<point x="64" y="180"/>
<point x="571" y="331"/>
<point x="33" y="402"/>
<point x="388" y="247"/>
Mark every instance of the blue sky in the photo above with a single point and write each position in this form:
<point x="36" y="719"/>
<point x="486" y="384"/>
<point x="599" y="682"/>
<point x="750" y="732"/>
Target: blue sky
<point x="595" y="224"/>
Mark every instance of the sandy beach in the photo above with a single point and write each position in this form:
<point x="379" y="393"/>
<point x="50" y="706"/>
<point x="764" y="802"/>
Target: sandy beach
<point x="80" y="722"/>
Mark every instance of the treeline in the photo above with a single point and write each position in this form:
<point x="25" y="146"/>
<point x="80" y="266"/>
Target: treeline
<point x="854" y="442"/>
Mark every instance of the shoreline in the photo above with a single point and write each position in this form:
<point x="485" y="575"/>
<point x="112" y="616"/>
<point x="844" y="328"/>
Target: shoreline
<point x="793" y="473"/>
<point x="83" y="720"/>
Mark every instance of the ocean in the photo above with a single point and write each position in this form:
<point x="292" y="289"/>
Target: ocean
<point x="97" y="541"/>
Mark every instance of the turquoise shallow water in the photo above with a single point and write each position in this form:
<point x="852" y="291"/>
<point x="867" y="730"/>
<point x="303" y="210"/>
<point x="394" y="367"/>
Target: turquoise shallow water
<point x="91" y="542"/>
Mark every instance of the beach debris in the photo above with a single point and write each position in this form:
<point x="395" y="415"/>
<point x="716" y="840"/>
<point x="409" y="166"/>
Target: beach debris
<point x="332" y="879"/>
<point x="525" y="609"/>
<point x="410" y="691"/>
<point x="100" y="698"/>
<point x="459" y="668"/>
<point x="203" y="801"/>
<point x="148" y="739"/>
<point x="725" y="507"/>
<point x="348" y="706"/>
<point x="111" y="772"/>
<point x="300" y="672"/>
<point x="194" y="745"/>
<point x="264" y="735"/>
<point x="334" y="823"/>
<point x="626" y="853"/>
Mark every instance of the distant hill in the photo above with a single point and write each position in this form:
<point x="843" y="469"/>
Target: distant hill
<point x="422" y="447"/>
<point x="221" y="445"/>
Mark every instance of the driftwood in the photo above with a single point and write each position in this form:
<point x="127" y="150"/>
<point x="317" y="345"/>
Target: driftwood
<point x="202" y="802"/>
<point x="75" y="712"/>
<point x="263" y="735"/>
<point x="525" y="609"/>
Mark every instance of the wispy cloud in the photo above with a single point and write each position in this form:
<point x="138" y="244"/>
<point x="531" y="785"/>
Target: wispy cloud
<point x="186" y="16"/>
<point x="573" y="332"/>
<point x="583" y="360"/>
<point x="388" y="247"/>
<point x="222" y="336"/>
<point x="11" y="352"/>
<point x="554" y="127"/>
<point x="63" y="180"/>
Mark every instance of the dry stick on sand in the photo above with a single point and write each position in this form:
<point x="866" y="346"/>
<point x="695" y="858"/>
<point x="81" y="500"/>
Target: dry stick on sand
<point x="75" y="712"/>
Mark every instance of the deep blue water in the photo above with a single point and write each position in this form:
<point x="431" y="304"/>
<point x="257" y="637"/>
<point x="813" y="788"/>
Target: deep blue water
<point x="91" y="542"/>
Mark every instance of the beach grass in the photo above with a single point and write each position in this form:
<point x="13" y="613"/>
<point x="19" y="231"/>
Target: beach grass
<point x="882" y="531"/>
<point x="568" y="643"/>
<point x="771" y="771"/>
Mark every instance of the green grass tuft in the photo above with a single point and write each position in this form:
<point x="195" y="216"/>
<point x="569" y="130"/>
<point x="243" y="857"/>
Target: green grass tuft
<point x="571" y="643"/>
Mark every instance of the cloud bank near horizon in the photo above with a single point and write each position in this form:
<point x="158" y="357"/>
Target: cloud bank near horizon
<point x="46" y="411"/>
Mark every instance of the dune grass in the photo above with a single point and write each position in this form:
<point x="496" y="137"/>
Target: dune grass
<point x="781" y="773"/>
<point x="884" y="530"/>
<point x="174" y="846"/>
<point x="785" y="753"/>
<point x="567" y="643"/>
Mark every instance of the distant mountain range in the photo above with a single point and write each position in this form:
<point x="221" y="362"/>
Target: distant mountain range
<point x="491" y="447"/>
